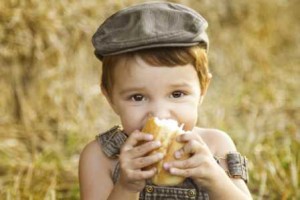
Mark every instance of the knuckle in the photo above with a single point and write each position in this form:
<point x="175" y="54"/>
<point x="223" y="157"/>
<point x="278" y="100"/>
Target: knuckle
<point x="142" y="176"/>
<point x="194" y="146"/>
<point x="130" y="176"/>
<point x="139" y="148"/>
<point x="123" y="166"/>
<point x="186" y="163"/>
<point x="136" y="134"/>
<point x="141" y="161"/>
<point x="206" y="162"/>
<point x="149" y="146"/>
<point x="124" y="149"/>
<point x="187" y="172"/>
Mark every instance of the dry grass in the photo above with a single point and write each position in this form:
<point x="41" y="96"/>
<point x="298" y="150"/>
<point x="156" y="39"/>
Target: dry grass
<point x="50" y="103"/>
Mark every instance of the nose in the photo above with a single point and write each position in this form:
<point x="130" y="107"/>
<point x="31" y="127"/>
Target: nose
<point x="160" y="109"/>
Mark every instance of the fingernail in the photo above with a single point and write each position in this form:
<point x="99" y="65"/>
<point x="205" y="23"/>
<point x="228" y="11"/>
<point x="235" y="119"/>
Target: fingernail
<point x="177" y="154"/>
<point x="160" y="155"/>
<point x="166" y="166"/>
<point x="172" y="170"/>
<point x="158" y="143"/>
<point x="149" y="137"/>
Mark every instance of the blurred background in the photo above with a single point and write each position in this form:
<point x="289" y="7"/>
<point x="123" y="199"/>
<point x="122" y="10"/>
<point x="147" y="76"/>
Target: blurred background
<point x="51" y="105"/>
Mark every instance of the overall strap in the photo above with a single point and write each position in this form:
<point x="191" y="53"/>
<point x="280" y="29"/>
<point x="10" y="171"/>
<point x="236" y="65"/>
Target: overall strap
<point x="116" y="173"/>
<point x="111" y="141"/>
<point x="237" y="165"/>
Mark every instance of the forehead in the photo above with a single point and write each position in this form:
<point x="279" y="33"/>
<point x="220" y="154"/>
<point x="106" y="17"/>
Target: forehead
<point x="136" y="71"/>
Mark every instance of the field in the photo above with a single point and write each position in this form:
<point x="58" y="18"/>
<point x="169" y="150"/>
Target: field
<point x="51" y="104"/>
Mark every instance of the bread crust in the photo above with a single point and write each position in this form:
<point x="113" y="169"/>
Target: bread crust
<point x="169" y="145"/>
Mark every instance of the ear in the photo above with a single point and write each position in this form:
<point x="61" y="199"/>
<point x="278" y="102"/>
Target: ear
<point x="109" y="99"/>
<point x="203" y="93"/>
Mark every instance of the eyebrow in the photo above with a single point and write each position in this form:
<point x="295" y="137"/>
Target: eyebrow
<point x="136" y="89"/>
<point x="184" y="84"/>
<point x="131" y="89"/>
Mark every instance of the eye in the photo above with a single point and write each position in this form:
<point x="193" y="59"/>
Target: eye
<point x="177" y="94"/>
<point x="137" y="97"/>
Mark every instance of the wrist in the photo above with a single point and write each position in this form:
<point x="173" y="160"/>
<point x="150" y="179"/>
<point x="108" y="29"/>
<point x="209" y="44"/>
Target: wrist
<point x="121" y="191"/>
<point x="216" y="179"/>
<point x="222" y="187"/>
<point x="219" y="179"/>
<point x="126" y="188"/>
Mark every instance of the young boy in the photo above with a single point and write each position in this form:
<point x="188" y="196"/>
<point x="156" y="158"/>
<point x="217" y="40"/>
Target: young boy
<point x="155" y="64"/>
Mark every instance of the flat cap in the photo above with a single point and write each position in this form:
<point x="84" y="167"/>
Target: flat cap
<point x="149" y="25"/>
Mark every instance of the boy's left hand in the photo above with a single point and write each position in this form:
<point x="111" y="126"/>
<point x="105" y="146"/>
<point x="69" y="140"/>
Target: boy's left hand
<point x="201" y="166"/>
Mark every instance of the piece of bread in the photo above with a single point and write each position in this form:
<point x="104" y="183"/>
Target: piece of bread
<point x="166" y="131"/>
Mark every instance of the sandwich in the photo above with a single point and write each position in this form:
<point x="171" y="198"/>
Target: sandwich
<point x="165" y="131"/>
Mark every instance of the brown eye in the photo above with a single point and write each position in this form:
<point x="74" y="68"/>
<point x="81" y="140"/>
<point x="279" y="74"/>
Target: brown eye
<point x="177" y="94"/>
<point x="137" y="97"/>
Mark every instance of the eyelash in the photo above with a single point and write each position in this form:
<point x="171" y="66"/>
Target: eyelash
<point x="181" y="94"/>
<point x="132" y="97"/>
<point x="142" y="97"/>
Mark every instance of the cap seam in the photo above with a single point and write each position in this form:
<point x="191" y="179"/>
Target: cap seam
<point x="135" y="48"/>
<point x="173" y="34"/>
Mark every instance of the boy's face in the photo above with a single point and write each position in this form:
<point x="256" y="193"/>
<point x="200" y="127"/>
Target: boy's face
<point x="141" y="90"/>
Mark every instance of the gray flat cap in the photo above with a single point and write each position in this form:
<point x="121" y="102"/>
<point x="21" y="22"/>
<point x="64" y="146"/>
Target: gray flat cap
<point x="149" y="25"/>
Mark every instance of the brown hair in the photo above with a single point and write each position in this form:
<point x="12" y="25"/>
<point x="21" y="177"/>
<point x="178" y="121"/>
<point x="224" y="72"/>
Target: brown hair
<point x="167" y="56"/>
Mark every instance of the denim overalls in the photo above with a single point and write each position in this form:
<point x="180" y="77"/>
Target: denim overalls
<point x="111" y="142"/>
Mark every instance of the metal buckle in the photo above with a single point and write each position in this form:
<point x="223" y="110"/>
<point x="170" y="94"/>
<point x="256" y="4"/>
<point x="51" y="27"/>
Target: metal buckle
<point x="237" y="166"/>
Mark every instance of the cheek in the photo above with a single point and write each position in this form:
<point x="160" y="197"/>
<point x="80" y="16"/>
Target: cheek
<point x="190" y="122"/>
<point x="131" y="120"/>
<point x="128" y="127"/>
<point x="188" y="115"/>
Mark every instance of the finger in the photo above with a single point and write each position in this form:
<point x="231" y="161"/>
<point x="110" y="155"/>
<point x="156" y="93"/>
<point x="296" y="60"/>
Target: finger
<point x="135" y="138"/>
<point x="183" y="172"/>
<point x="143" y="149"/>
<point x="138" y="175"/>
<point x="140" y="163"/>
<point x="192" y="162"/>
<point x="185" y="137"/>
<point x="191" y="147"/>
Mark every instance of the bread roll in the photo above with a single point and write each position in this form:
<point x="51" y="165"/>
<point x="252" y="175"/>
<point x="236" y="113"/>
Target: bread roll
<point x="165" y="131"/>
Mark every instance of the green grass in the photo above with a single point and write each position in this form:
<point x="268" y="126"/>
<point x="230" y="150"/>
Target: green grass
<point x="51" y="106"/>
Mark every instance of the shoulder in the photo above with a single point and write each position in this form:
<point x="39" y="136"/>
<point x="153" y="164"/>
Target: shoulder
<point x="92" y="151"/>
<point x="94" y="170"/>
<point x="92" y="156"/>
<point x="219" y="142"/>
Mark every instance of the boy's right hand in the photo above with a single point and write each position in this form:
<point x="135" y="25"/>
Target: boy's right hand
<point x="133" y="159"/>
